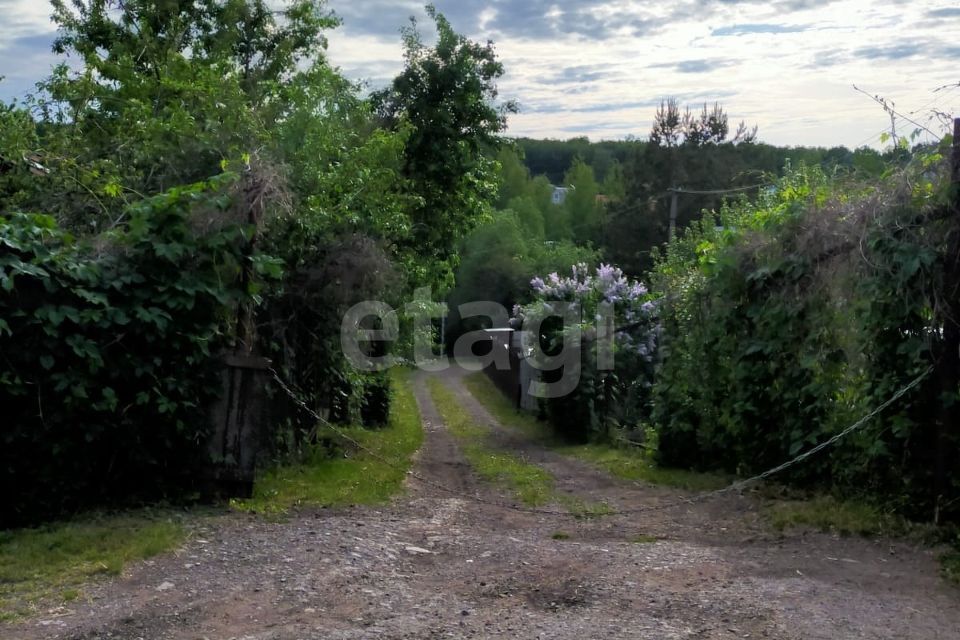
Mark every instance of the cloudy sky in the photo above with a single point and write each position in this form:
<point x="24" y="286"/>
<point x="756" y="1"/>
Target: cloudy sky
<point x="599" y="67"/>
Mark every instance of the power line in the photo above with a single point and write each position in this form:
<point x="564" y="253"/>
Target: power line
<point x="711" y="192"/>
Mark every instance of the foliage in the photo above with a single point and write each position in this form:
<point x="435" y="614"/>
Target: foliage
<point x="498" y="260"/>
<point x="582" y="208"/>
<point x="552" y="158"/>
<point x="786" y="319"/>
<point x="95" y="411"/>
<point x="444" y="97"/>
<point x="164" y="95"/>
<point x="950" y="566"/>
<point x="136" y="280"/>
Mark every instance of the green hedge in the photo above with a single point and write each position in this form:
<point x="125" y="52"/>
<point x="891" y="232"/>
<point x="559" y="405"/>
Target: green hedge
<point x="786" y="320"/>
<point x="105" y="351"/>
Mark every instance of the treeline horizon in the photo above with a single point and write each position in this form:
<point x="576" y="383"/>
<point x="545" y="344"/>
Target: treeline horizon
<point x="552" y="157"/>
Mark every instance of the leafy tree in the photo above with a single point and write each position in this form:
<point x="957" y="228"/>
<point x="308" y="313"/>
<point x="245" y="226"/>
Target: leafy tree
<point x="445" y="97"/>
<point x="614" y="186"/>
<point x="541" y="192"/>
<point x="514" y="176"/>
<point x="868" y="162"/>
<point x="499" y="259"/>
<point x="529" y="215"/>
<point x="685" y="149"/>
<point x="114" y="37"/>
<point x="299" y="203"/>
<point x="556" y="221"/>
<point x="552" y="158"/>
<point x="581" y="202"/>
<point x="167" y="92"/>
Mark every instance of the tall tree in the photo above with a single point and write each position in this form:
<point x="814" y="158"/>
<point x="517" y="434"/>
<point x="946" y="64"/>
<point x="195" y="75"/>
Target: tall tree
<point x="581" y="202"/>
<point x="164" y="94"/>
<point x="445" y="97"/>
<point x="514" y="176"/>
<point x="667" y="128"/>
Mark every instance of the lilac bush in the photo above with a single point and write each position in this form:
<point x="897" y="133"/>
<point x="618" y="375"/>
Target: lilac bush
<point x="603" y="290"/>
<point x="606" y="398"/>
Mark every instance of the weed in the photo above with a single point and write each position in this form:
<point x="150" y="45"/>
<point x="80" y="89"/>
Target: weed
<point x="56" y="558"/>
<point x="950" y="566"/>
<point x="828" y="514"/>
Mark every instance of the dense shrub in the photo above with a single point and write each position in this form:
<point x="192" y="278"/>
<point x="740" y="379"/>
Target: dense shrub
<point x="107" y="346"/>
<point x="787" y="319"/>
<point x="616" y="347"/>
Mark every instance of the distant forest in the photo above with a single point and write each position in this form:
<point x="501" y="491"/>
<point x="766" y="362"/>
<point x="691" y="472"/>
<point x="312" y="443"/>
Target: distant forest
<point x="552" y="158"/>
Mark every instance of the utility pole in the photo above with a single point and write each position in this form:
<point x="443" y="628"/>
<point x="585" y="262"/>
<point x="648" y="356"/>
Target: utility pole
<point x="955" y="162"/>
<point x="674" y="195"/>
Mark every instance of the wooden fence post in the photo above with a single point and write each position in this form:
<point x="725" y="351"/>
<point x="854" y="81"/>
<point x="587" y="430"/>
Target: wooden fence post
<point x="237" y="419"/>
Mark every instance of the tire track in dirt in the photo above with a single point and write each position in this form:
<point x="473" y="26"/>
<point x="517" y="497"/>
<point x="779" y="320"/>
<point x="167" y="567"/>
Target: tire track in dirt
<point x="435" y="565"/>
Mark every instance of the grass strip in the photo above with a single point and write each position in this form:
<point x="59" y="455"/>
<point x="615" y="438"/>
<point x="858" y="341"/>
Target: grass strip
<point x="530" y="484"/>
<point x="627" y="464"/>
<point x="830" y="515"/>
<point x="55" y="559"/>
<point x="354" y="479"/>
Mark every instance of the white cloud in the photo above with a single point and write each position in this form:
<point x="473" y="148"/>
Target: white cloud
<point x="769" y="74"/>
<point x="23" y="18"/>
<point x="598" y="67"/>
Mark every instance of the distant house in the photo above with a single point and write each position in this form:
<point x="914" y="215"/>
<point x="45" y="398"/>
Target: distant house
<point x="559" y="195"/>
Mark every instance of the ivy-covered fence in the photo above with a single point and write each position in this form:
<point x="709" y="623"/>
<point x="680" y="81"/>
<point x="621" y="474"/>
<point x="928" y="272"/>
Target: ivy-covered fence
<point x="106" y="350"/>
<point x="120" y="353"/>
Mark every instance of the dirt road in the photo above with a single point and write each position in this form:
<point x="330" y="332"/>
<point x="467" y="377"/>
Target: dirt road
<point x="441" y="565"/>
